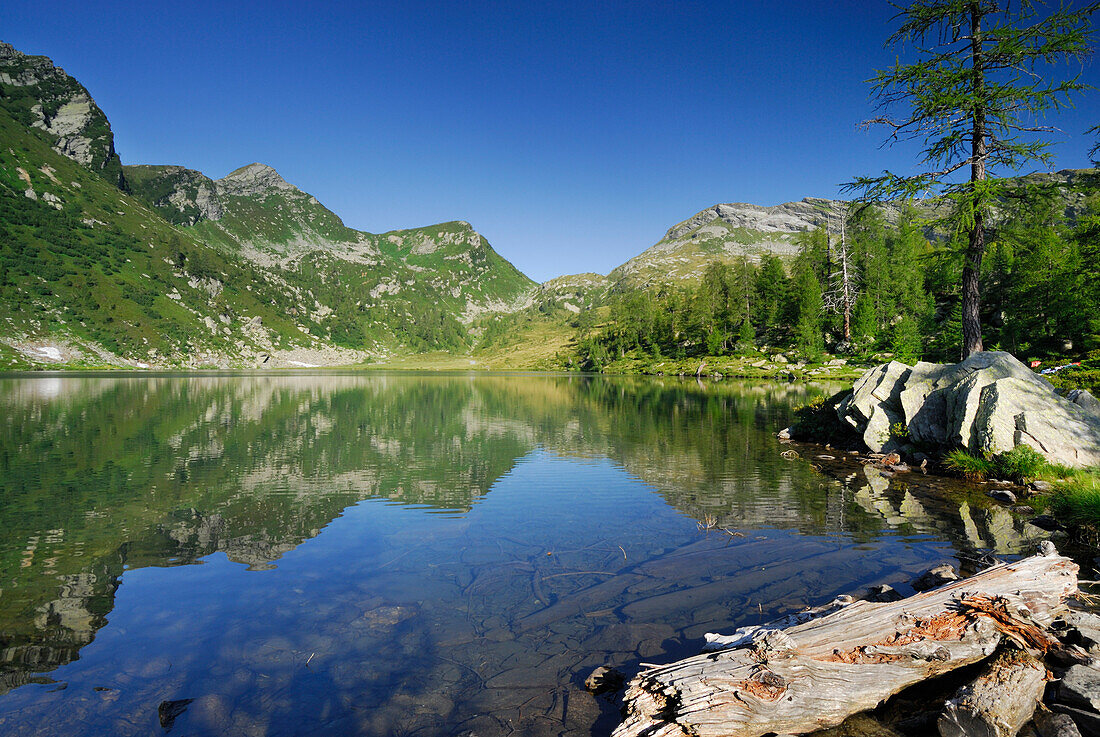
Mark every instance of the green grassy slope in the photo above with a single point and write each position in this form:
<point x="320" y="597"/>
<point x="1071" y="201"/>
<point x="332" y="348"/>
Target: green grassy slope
<point x="398" y="292"/>
<point x="82" y="261"/>
<point x="109" y="265"/>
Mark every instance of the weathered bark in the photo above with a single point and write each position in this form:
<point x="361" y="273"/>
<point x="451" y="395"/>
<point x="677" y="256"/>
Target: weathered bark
<point x="816" y="674"/>
<point x="999" y="702"/>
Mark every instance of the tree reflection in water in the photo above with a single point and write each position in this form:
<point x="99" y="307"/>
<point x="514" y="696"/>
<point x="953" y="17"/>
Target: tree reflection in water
<point x="358" y="577"/>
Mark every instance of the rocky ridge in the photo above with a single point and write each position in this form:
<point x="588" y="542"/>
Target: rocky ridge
<point x="728" y="231"/>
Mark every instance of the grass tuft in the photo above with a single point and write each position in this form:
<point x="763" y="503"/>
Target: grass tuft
<point x="1076" y="499"/>
<point x="1022" y="464"/>
<point x="970" y="467"/>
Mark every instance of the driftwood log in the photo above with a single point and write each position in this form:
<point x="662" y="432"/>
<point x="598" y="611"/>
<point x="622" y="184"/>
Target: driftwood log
<point x="815" y="674"/>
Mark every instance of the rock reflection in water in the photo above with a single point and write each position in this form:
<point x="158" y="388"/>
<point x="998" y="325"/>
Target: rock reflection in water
<point x="370" y="554"/>
<point x="916" y="503"/>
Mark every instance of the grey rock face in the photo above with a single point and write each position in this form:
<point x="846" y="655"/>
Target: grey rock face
<point x="875" y="405"/>
<point x="1081" y="687"/>
<point x="883" y="593"/>
<point x="1055" y="725"/>
<point x="1084" y="630"/>
<point x="786" y="218"/>
<point x="1088" y="723"/>
<point x="1083" y="398"/>
<point x="989" y="403"/>
<point x="190" y="196"/>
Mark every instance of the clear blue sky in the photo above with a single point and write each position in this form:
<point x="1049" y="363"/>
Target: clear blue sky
<point x="571" y="134"/>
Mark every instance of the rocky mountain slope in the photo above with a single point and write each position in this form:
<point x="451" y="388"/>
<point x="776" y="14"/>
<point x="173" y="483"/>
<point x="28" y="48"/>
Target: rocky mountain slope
<point x="42" y="96"/>
<point x="164" y="266"/>
<point x="732" y="230"/>
<point x="253" y="212"/>
<point x="156" y="265"/>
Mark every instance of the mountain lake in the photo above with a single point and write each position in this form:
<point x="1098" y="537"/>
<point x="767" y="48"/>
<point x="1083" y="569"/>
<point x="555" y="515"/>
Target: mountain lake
<point x="415" y="554"/>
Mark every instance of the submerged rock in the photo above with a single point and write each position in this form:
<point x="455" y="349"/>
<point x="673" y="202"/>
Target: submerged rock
<point x="935" y="577"/>
<point x="603" y="680"/>
<point x="989" y="403"/>
<point x="883" y="593"/>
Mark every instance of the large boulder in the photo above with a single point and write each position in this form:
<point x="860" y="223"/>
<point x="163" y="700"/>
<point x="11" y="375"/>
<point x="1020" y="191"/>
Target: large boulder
<point x="989" y="403"/>
<point x="874" y="406"/>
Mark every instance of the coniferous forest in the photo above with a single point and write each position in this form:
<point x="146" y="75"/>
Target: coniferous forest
<point x="879" y="287"/>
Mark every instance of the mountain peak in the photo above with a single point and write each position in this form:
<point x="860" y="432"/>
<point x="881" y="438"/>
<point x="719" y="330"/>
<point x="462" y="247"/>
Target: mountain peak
<point x="254" y="178"/>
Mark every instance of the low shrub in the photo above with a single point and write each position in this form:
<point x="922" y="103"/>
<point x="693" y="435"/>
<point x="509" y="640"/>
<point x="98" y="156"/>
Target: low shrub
<point x="819" y="422"/>
<point x="1022" y="464"/>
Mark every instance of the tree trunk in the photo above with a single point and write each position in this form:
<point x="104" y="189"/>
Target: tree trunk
<point x="815" y="675"/>
<point x="971" y="290"/>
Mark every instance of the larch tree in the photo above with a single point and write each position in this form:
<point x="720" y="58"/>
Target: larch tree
<point x="974" y="98"/>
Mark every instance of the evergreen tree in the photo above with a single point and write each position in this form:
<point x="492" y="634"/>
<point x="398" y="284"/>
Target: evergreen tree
<point x="809" y="310"/>
<point x="813" y="252"/>
<point x="1087" y="286"/>
<point x="867" y="230"/>
<point x="771" y="290"/>
<point x="864" y="323"/>
<point x="971" y="99"/>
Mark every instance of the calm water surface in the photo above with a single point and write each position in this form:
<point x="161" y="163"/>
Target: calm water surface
<point x="409" y="555"/>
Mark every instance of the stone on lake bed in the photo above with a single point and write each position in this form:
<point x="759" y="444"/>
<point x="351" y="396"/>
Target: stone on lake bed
<point x="169" y="711"/>
<point x="382" y="618"/>
<point x="1046" y="522"/>
<point x="1002" y="495"/>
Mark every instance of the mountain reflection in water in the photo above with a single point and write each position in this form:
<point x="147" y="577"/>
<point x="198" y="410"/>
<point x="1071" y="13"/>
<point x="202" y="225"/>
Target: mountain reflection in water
<point x="410" y="554"/>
